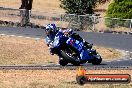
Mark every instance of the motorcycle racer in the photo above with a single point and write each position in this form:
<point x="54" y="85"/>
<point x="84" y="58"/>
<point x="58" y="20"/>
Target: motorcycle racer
<point x="50" y="32"/>
<point x="70" y="47"/>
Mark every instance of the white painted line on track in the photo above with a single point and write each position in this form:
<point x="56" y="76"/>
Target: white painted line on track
<point x="12" y="35"/>
<point x="127" y="51"/>
<point x="20" y="36"/>
<point x="28" y="37"/>
<point x="37" y="38"/>
<point x="2" y="34"/>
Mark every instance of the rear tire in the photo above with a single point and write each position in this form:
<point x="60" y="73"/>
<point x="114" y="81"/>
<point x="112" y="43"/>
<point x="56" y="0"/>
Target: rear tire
<point x="69" y="58"/>
<point x="62" y="62"/>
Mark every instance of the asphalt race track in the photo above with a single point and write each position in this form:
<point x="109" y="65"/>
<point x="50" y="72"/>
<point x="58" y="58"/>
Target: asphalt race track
<point x="118" y="41"/>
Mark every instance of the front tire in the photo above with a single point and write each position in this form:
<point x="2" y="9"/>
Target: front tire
<point x="96" y="61"/>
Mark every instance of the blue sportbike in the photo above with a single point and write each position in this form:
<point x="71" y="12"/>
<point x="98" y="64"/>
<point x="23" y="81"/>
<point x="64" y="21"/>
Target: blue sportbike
<point x="73" y="49"/>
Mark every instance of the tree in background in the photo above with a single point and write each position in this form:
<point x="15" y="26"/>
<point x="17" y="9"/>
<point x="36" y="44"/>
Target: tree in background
<point x="80" y="7"/>
<point x="120" y="9"/>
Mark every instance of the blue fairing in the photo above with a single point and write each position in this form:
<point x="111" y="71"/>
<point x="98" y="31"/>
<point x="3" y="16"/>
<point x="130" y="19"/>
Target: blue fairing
<point x="75" y="43"/>
<point x="84" y="54"/>
<point x="59" y="39"/>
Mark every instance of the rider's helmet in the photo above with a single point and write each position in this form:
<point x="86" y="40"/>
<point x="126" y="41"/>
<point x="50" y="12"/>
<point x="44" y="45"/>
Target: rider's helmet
<point x="50" y="28"/>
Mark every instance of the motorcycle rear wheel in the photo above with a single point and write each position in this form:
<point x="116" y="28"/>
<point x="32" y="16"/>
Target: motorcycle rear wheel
<point x="62" y="62"/>
<point x="70" y="58"/>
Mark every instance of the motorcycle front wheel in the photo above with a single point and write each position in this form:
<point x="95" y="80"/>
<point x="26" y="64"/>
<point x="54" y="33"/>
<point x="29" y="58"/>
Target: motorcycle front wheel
<point x="96" y="60"/>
